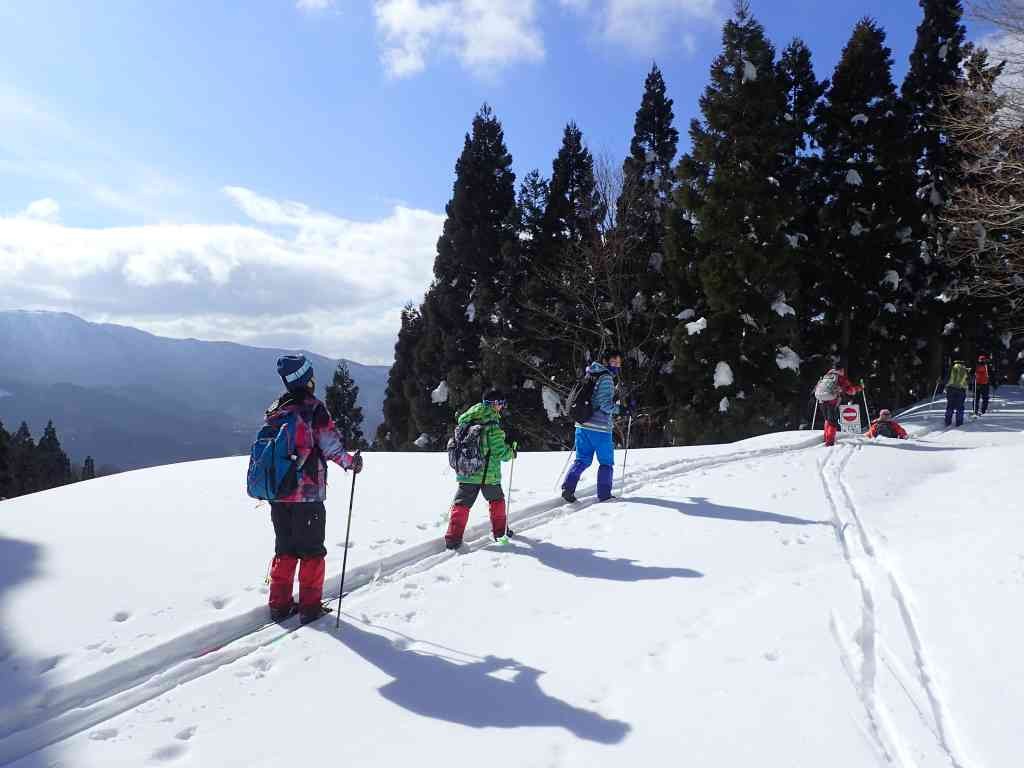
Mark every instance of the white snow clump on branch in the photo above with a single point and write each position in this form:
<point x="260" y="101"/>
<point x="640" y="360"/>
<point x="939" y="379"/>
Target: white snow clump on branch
<point x="749" y="71"/>
<point x="440" y="395"/>
<point x="892" y="279"/>
<point x="422" y="441"/>
<point x="686" y="314"/>
<point x="723" y="405"/>
<point x="552" y="403"/>
<point x="723" y="375"/>
<point x="859" y="119"/>
<point x="471" y="312"/>
<point x="696" y="326"/>
<point x="781" y="307"/>
<point x="787" y="358"/>
<point x="853" y="178"/>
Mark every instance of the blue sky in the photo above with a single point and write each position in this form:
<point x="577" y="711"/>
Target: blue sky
<point x="160" y="162"/>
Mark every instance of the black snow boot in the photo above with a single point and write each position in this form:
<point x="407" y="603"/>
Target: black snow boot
<point x="569" y="496"/>
<point x="452" y="544"/>
<point x="307" y="615"/>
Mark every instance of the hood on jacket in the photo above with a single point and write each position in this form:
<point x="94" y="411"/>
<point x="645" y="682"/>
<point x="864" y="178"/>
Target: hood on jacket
<point x="596" y="369"/>
<point x="480" y="414"/>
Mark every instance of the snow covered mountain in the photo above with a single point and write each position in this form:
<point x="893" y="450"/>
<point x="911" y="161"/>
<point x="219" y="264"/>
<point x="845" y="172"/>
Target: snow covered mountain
<point x="113" y="391"/>
<point x="770" y="602"/>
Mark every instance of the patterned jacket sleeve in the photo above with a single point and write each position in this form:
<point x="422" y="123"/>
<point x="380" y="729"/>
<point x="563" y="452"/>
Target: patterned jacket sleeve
<point x="604" y="395"/>
<point x="328" y="439"/>
<point x="497" y="445"/>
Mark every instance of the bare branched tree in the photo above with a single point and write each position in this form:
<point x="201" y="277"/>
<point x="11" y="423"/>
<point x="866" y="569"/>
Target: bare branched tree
<point x="985" y="119"/>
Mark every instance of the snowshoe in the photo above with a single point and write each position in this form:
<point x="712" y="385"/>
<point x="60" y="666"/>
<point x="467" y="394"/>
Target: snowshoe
<point x="569" y="496"/>
<point x="452" y="544"/>
<point x="503" y="539"/>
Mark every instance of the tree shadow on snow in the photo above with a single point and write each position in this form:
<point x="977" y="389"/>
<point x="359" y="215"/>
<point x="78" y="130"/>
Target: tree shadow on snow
<point x="589" y="564"/>
<point x="701" y="506"/>
<point x="471" y="693"/>
<point x="903" y="445"/>
<point x="22" y="677"/>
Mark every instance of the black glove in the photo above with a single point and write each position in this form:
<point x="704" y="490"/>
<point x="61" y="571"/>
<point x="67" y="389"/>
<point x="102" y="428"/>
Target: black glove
<point x="511" y="435"/>
<point x="357" y="463"/>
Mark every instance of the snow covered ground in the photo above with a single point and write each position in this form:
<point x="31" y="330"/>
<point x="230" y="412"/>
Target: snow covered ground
<point x="769" y="602"/>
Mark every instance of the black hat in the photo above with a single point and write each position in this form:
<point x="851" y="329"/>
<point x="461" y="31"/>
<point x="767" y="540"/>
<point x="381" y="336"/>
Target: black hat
<point x="493" y="395"/>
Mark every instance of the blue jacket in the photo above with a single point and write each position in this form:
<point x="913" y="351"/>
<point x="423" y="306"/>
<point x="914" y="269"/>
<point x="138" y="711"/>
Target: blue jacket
<point x="603" y="400"/>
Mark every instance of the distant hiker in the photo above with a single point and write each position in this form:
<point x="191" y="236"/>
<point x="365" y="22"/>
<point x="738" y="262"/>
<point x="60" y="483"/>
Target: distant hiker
<point x="982" y="384"/>
<point x="829" y="389"/>
<point x="475" y="452"/>
<point x="886" y="426"/>
<point x="956" y="393"/>
<point x="592" y="409"/>
<point x="299" y="435"/>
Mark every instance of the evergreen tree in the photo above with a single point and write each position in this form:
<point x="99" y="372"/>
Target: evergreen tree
<point x="396" y="431"/>
<point x="53" y="465"/>
<point x="6" y="489"/>
<point x="340" y="400"/>
<point x="462" y="310"/>
<point x="734" y="354"/>
<point x="935" y="74"/>
<point x="800" y="186"/>
<point x="88" y="469"/>
<point x="24" y="466"/>
<point x="866" y="230"/>
<point x="643" y="219"/>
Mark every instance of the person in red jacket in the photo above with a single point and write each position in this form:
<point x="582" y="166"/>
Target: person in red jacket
<point x="830" y="388"/>
<point x="982" y="383"/>
<point x="886" y="426"/>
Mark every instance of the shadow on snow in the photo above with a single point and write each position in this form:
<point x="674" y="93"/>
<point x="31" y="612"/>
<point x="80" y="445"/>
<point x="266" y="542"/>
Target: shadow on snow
<point x="21" y="676"/>
<point x="469" y="693"/>
<point x="589" y="564"/>
<point x="701" y="506"/>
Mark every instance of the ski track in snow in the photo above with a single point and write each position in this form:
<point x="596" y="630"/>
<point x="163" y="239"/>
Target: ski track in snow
<point x="868" y="565"/>
<point x="66" y="710"/>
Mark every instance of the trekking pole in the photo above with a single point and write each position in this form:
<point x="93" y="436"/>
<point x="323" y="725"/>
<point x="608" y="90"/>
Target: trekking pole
<point x="344" y="558"/>
<point x="564" y="467"/>
<point x="511" y="473"/>
<point x="625" y="458"/>
<point x="864" y="394"/>
<point x="814" y="417"/>
<point x="938" y="383"/>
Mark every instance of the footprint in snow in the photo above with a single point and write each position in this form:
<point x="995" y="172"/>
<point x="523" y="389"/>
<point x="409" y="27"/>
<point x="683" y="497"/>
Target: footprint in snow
<point x="187" y="733"/>
<point x="104" y="734"/>
<point x="218" y="602"/>
<point x="341" y="544"/>
<point x="47" y="664"/>
<point x="169" y="753"/>
<point x="771" y="655"/>
<point x="121" y="616"/>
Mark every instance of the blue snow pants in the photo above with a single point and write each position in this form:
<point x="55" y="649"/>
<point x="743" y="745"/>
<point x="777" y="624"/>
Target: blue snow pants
<point x="589" y="442"/>
<point x="955" y="400"/>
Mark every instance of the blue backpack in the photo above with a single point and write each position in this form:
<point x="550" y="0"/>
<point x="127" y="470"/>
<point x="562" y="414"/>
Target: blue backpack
<point x="274" y="465"/>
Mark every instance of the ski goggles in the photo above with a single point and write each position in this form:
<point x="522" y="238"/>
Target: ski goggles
<point x="496" y="403"/>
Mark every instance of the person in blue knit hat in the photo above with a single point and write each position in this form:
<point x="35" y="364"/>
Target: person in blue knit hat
<point x="299" y="516"/>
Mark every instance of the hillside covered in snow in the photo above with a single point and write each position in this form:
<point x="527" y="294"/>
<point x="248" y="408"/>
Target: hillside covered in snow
<point x="769" y="602"/>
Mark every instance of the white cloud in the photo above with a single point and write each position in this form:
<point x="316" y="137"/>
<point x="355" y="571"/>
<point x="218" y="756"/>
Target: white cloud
<point x="292" y="277"/>
<point x="484" y="35"/>
<point x="46" y="209"/>
<point x="313" y="5"/>
<point x="646" y="25"/>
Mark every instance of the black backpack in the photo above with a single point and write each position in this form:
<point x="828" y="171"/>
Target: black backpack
<point x="466" y="449"/>
<point x="579" y="404"/>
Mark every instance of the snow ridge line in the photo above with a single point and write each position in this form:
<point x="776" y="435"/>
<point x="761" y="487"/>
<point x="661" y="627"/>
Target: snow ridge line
<point x="68" y="709"/>
<point x="886" y="738"/>
<point x="943" y="728"/>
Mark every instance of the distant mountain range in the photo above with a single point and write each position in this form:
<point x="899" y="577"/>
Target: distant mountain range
<point x="131" y="399"/>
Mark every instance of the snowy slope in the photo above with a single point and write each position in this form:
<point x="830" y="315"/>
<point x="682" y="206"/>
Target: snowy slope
<point x="769" y="601"/>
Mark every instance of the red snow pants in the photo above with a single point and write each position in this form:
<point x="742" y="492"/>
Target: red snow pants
<point x="464" y="499"/>
<point x="299" y="530"/>
<point x="831" y="410"/>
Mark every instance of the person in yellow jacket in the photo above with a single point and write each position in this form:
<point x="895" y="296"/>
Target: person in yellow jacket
<point x="956" y="393"/>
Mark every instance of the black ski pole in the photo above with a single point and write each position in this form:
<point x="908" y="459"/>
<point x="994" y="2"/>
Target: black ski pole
<point x="344" y="557"/>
